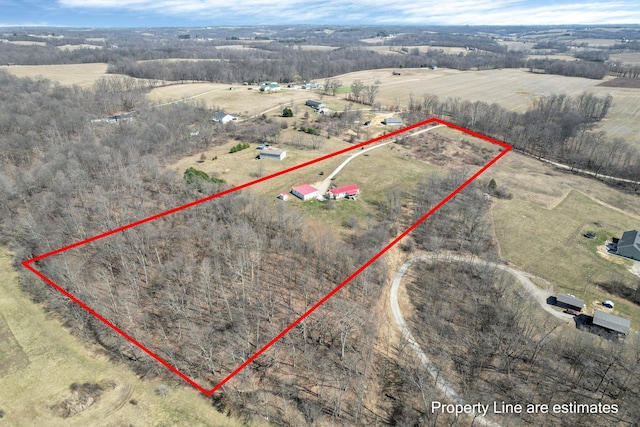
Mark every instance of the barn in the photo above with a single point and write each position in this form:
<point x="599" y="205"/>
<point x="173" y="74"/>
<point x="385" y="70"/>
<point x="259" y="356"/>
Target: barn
<point x="272" y="153"/>
<point x="629" y="245"/>
<point x="392" y="121"/>
<point x="305" y="192"/>
<point x="612" y="322"/>
<point x="316" y="105"/>
<point x="569" y="301"/>
<point x="348" y="191"/>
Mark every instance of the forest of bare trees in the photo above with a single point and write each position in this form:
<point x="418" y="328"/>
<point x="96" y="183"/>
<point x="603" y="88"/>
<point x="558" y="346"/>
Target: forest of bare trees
<point x="207" y="287"/>
<point x="495" y="345"/>
<point x="208" y="58"/>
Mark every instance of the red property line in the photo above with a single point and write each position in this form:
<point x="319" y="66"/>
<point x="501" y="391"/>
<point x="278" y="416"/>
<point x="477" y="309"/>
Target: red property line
<point x="28" y="263"/>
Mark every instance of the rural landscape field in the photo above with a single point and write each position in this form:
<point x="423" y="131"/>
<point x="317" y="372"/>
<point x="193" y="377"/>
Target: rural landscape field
<point x="519" y="293"/>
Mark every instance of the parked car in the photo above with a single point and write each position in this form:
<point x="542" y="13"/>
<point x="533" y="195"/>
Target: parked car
<point x="571" y="312"/>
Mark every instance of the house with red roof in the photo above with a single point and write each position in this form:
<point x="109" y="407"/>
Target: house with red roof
<point x="348" y="191"/>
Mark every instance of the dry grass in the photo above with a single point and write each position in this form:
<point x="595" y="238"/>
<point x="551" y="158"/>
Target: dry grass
<point x="629" y="58"/>
<point x="69" y="47"/>
<point x="84" y="75"/>
<point x="240" y="100"/>
<point x="514" y="89"/>
<point x="540" y="229"/>
<point x="25" y="43"/>
<point x="597" y="42"/>
<point x="57" y="359"/>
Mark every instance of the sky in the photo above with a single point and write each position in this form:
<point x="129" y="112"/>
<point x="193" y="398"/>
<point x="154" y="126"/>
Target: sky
<point x="192" y="13"/>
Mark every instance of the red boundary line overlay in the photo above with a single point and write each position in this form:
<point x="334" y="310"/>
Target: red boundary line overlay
<point x="28" y="263"/>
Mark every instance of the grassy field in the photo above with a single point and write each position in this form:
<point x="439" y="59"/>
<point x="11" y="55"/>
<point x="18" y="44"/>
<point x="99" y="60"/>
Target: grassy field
<point x="541" y="229"/>
<point x="44" y="360"/>
<point x="240" y="100"/>
<point x="514" y="89"/>
<point x="629" y="58"/>
<point x="69" y="74"/>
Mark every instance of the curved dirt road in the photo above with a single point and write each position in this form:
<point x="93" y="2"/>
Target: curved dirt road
<point x="441" y="383"/>
<point x="323" y="186"/>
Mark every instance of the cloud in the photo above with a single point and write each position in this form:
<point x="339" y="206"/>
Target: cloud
<point x="464" y="12"/>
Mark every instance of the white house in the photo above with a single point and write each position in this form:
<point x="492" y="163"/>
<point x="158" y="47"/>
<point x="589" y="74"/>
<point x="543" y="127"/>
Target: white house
<point x="269" y="87"/>
<point x="348" y="191"/>
<point x="305" y="192"/>
<point x="224" y="118"/>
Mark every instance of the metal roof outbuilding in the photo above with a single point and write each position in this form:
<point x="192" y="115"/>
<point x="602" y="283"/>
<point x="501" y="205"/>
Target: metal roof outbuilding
<point x="612" y="322"/>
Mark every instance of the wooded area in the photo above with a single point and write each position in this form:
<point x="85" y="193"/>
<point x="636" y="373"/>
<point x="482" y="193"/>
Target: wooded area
<point x="207" y="287"/>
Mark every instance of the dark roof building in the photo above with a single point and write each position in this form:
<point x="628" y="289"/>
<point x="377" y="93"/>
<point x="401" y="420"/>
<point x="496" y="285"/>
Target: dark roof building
<point x="570" y="301"/>
<point x="629" y="245"/>
<point x="314" y="104"/>
<point x="612" y="322"/>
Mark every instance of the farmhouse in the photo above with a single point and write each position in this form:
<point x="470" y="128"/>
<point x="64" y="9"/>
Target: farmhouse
<point x="316" y="105"/>
<point x="272" y="153"/>
<point x="304" y="192"/>
<point x="224" y="118"/>
<point x="392" y="121"/>
<point x="612" y="322"/>
<point x="629" y="245"/>
<point x="569" y="301"/>
<point x="348" y="191"/>
<point x="269" y="87"/>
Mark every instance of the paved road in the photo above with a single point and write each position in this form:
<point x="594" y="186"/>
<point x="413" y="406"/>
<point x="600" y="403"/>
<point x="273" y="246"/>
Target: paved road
<point x="441" y="383"/>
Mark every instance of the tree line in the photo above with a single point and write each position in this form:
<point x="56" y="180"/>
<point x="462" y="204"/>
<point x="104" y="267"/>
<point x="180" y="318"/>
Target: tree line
<point x="557" y="127"/>
<point x="204" y="288"/>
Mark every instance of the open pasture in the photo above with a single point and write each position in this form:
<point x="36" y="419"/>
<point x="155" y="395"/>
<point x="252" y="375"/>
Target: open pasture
<point x="514" y="89"/>
<point x="396" y="50"/>
<point x="84" y="75"/>
<point x="628" y="58"/>
<point x="541" y="229"/>
<point x="242" y="100"/>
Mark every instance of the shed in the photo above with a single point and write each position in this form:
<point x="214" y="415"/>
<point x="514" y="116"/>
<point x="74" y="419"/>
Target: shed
<point x="272" y="153"/>
<point x="569" y="301"/>
<point x="629" y="245"/>
<point x="304" y="192"/>
<point x="283" y="196"/>
<point x="392" y="121"/>
<point x="348" y="191"/>
<point x="612" y="322"/>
